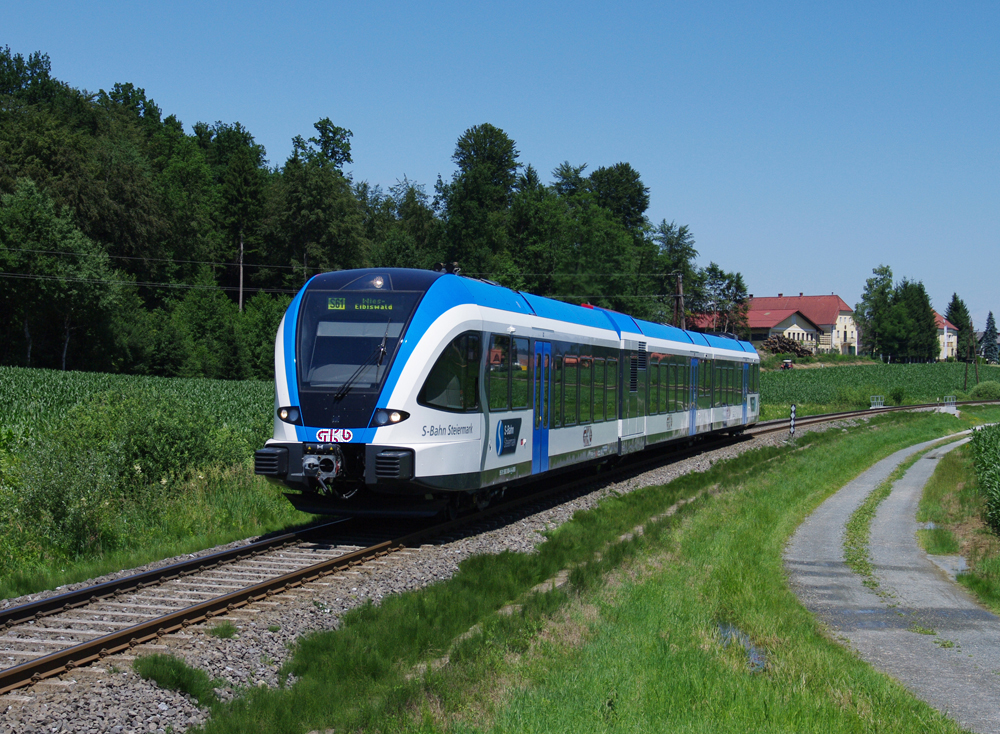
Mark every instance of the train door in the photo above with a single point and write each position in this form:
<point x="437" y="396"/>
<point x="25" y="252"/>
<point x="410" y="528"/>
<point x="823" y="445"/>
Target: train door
<point x="693" y="397"/>
<point x="634" y="386"/>
<point x="542" y="407"/>
<point x="746" y="386"/>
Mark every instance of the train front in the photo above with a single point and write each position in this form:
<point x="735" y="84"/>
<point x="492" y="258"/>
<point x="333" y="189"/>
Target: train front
<point x="334" y="356"/>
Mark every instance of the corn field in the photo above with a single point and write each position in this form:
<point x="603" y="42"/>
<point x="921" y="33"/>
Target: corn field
<point x="852" y="385"/>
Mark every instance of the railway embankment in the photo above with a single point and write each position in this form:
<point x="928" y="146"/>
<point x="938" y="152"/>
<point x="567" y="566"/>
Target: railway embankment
<point x="689" y="624"/>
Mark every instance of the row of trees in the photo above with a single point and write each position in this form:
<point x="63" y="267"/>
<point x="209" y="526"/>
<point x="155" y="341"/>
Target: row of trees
<point x="897" y="322"/>
<point x="128" y="244"/>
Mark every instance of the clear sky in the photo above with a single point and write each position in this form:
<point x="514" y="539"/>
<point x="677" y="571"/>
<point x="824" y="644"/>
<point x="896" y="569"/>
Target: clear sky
<point x="804" y="143"/>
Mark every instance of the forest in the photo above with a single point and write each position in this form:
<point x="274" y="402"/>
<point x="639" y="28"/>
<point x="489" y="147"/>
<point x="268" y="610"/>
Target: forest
<point x="128" y="244"/>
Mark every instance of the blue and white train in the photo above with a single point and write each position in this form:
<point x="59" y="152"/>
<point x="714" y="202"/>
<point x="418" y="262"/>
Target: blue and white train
<point x="408" y="391"/>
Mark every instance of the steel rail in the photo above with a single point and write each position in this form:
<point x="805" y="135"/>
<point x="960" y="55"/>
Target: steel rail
<point x="91" y="594"/>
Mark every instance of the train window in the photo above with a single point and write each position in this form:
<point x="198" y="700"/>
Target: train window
<point x="654" y="385"/>
<point x="704" y="387"/>
<point x="453" y="382"/>
<point x="520" y="376"/>
<point x="611" y="390"/>
<point x="557" y="389"/>
<point x="498" y="365"/>
<point x="586" y="385"/>
<point x="598" y="372"/>
<point x="571" y="381"/>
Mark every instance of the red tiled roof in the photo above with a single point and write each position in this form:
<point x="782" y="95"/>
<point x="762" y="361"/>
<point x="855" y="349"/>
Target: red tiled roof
<point x="700" y="321"/>
<point x="821" y="310"/>
<point x="771" y="318"/>
<point x="942" y="322"/>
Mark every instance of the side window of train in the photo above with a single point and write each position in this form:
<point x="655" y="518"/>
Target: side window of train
<point x="598" y="372"/>
<point x="453" y="382"/>
<point x="520" y="376"/>
<point x="498" y="366"/>
<point x="571" y="381"/>
<point x="611" y="389"/>
<point x="586" y="384"/>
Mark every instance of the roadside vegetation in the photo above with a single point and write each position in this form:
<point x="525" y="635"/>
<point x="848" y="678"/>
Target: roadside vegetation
<point x="686" y="625"/>
<point x="960" y="502"/>
<point x="102" y="472"/>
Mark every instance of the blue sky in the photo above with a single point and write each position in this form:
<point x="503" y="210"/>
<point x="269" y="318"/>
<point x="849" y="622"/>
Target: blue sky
<point x="803" y="143"/>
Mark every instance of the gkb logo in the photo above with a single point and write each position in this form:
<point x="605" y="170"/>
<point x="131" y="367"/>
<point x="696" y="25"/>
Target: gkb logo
<point x="507" y="435"/>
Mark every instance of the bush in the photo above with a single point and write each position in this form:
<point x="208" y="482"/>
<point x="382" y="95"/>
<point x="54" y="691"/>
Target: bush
<point x="986" y="456"/>
<point x="87" y="481"/>
<point x="897" y="395"/>
<point x="989" y="390"/>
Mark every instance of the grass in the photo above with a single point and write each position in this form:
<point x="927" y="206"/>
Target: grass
<point x="223" y="630"/>
<point x="173" y="673"/>
<point x="952" y="500"/>
<point x="636" y="645"/>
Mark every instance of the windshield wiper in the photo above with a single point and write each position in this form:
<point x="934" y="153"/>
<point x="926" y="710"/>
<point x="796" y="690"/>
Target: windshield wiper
<point x="377" y="356"/>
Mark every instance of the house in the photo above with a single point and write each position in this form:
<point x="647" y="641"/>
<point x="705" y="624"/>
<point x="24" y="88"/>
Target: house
<point x="947" y="337"/>
<point x="831" y="318"/>
<point x="790" y="324"/>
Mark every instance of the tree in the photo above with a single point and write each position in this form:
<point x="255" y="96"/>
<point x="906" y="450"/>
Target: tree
<point x="61" y="280"/>
<point x="871" y="312"/>
<point x="620" y="190"/>
<point x="242" y="190"/>
<point x="723" y="297"/>
<point x="910" y="333"/>
<point x="676" y="258"/>
<point x="990" y="350"/>
<point x="958" y="314"/>
<point x="475" y="204"/>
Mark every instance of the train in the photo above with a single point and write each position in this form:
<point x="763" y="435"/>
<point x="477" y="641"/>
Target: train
<point x="415" y="392"/>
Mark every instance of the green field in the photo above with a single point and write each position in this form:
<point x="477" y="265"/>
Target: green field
<point x="101" y="472"/>
<point x="851" y="386"/>
<point x="32" y="399"/>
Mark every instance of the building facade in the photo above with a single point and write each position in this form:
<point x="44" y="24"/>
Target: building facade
<point x="831" y="317"/>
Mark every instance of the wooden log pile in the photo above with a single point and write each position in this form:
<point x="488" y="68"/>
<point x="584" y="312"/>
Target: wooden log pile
<point x="777" y="344"/>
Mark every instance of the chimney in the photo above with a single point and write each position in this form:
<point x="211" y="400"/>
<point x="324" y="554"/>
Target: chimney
<point x="800" y="294"/>
<point x="781" y="295"/>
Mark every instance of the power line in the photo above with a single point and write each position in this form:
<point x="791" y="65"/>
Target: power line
<point x="188" y="286"/>
<point x="293" y="267"/>
<point x="145" y="259"/>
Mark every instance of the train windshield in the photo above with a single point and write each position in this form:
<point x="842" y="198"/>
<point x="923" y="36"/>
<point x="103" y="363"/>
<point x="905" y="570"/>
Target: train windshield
<point x="347" y="338"/>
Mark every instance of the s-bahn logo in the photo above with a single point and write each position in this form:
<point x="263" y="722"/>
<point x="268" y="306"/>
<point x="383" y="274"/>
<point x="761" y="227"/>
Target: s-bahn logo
<point x="507" y="435"/>
<point x="588" y="436"/>
<point x="334" y="435"/>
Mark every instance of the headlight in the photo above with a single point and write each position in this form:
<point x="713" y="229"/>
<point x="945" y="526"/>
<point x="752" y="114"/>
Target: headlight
<point x="388" y="417"/>
<point x="290" y="415"/>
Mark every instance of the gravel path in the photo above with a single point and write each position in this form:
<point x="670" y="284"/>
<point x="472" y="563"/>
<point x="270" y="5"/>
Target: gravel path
<point x="111" y="697"/>
<point x="919" y="626"/>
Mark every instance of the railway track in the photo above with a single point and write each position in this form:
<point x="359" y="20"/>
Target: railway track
<point x="49" y="637"/>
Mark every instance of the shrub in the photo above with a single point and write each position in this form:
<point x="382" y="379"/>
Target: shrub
<point x="986" y="456"/>
<point x="988" y="390"/>
<point x="897" y="394"/>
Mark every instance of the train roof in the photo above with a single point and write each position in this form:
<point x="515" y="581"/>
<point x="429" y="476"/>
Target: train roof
<point x="449" y="290"/>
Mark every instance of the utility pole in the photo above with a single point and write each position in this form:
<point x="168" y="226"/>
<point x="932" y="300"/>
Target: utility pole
<point x="679" y="299"/>
<point x="970" y="353"/>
